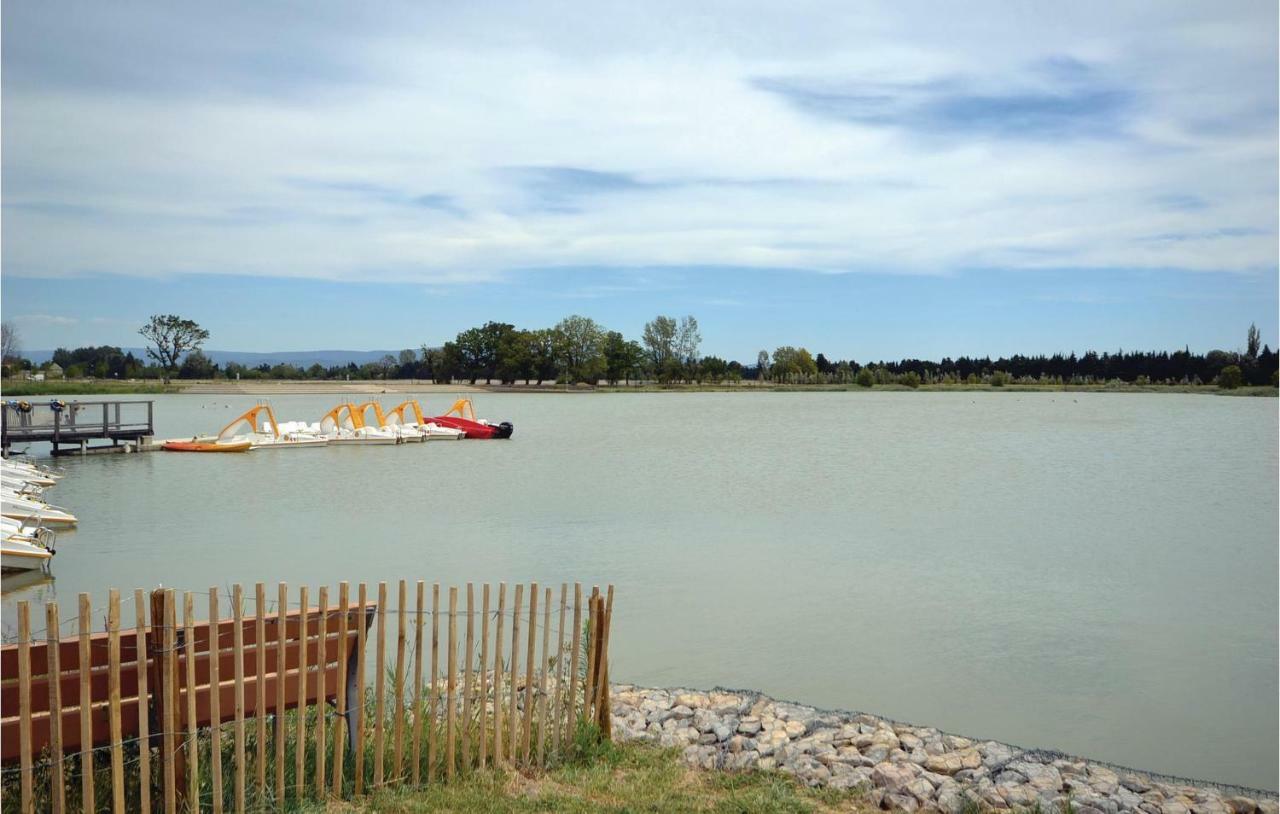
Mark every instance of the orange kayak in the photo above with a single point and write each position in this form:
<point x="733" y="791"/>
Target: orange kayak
<point x="197" y="446"/>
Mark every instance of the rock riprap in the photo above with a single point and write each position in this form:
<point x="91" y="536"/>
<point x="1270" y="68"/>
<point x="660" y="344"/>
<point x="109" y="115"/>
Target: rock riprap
<point x="901" y="767"/>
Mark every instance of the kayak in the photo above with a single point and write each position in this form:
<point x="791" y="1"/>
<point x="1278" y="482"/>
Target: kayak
<point x="199" y="446"/>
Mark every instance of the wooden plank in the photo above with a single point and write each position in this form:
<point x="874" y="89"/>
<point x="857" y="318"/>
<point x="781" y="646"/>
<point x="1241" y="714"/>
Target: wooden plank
<point x="340" y="732"/>
<point x="513" y="719"/>
<point x="542" y="679"/>
<point x="113" y="701"/>
<point x="144" y="723"/>
<point x="25" y="767"/>
<point x="469" y="648"/>
<point x="87" y="802"/>
<point x="450" y="702"/>
<point x="526" y="736"/>
<point x="237" y="655"/>
<point x="322" y="664"/>
<point x="281" y="720"/>
<point x="397" y="737"/>
<point x="590" y="681"/>
<point x="604" y="714"/>
<point x="260" y="698"/>
<point x="558" y="706"/>
<point x="433" y="715"/>
<point x="300" y="717"/>
<point x="193" y="745"/>
<point x="58" y="780"/>
<point x="358" y="769"/>
<point x="215" y="703"/>
<point x="484" y="673"/>
<point x="497" y="676"/>
<point x="416" y="755"/>
<point x="379" y="688"/>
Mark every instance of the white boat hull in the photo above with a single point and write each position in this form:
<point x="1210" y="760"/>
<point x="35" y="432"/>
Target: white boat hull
<point x="21" y="555"/>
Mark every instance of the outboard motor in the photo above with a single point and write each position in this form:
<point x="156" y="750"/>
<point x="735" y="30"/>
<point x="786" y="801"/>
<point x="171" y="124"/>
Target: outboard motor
<point x="503" y="430"/>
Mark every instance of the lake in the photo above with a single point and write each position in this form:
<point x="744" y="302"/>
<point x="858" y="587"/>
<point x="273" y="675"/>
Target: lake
<point x="1095" y="573"/>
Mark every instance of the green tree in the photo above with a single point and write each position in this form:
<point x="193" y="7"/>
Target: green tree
<point x="197" y="366"/>
<point x="660" y="340"/>
<point x="793" y="364"/>
<point x="579" y="344"/>
<point x="621" y="357"/>
<point x="910" y="379"/>
<point x="1230" y="377"/>
<point x="865" y="377"/>
<point x="544" y="354"/>
<point x="688" y="339"/>
<point x="171" y="337"/>
<point x="515" y="356"/>
<point x="1254" y="342"/>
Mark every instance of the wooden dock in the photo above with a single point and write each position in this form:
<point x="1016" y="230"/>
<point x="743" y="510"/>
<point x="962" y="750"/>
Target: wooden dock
<point x="70" y="426"/>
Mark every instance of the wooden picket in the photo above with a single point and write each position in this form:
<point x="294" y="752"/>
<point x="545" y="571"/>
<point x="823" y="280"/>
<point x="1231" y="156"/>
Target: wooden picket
<point x="163" y="690"/>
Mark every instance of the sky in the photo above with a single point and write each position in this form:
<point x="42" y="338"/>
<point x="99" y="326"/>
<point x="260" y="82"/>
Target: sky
<point x="872" y="180"/>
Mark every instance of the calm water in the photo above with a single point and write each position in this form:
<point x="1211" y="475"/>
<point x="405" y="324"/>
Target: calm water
<point x="1090" y="572"/>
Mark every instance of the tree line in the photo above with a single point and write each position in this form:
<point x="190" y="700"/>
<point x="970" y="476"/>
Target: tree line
<point x="577" y="349"/>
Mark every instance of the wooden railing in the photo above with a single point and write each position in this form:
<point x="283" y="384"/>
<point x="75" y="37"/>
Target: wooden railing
<point x="144" y="712"/>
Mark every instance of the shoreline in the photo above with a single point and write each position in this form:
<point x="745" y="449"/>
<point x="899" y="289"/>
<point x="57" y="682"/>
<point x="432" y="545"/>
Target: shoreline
<point x="903" y="766"/>
<point x="286" y="387"/>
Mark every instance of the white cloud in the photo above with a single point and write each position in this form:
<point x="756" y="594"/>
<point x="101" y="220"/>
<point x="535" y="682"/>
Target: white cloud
<point x="193" y="166"/>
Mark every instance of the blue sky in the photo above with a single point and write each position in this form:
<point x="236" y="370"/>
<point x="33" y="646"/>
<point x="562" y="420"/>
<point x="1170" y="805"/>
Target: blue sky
<point x="871" y="181"/>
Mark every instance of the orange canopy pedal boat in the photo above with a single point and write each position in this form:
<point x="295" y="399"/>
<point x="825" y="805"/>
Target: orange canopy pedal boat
<point x="207" y="446"/>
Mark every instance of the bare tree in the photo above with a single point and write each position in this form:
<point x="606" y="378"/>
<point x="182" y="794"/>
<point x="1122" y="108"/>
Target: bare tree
<point x="171" y="336"/>
<point x="10" y="344"/>
<point x="687" y="340"/>
<point x="762" y="365"/>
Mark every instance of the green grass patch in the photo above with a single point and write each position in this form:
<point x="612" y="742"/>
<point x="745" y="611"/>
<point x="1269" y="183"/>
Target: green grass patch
<point x="13" y="388"/>
<point x="633" y="777"/>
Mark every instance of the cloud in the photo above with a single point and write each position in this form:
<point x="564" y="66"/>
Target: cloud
<point x="446" y="147"/>
<point x="44" y="319"/>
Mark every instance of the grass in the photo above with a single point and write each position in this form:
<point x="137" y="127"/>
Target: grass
<point x="14" y="388"/>
<point x="633" y="777"/>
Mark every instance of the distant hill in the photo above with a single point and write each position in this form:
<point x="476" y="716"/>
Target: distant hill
<point x="301" y="358"/>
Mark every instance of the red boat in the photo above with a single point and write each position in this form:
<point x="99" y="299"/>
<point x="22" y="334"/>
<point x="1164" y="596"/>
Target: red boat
<point x="466" y="421"/>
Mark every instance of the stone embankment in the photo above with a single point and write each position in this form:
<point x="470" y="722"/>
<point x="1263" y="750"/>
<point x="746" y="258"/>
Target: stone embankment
<point x="901" y="767"/>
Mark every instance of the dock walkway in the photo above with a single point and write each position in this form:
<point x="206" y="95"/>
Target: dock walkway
<point x="75" y="423"/>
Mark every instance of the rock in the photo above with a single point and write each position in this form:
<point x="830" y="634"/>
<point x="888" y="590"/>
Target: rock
<point x="794" y="729"/>
<point x="749" y="726"/>
<point x="705" y="720"/>
<point x="952" y="762"/>
<point x="725" y="729"/>
<point x="894" y="776"/>
<point x="1008" y="777"/>
<point x="1021" y="796"/>
<point x="707" y="738"/>
<point x="692" y="700"/>
<point x="742" y="761"/>
<point x="909" y="741"/>
<point x="952" y="801"/>
<point x="1174" y="807"/>
<point x="1135" y="783"/>
<point x="859" y="776"/>
<point x="1042" y="777"/>
<point x="900" y="802"/>
<point x="1241" y="805"/>
<point x="955" y="742"/>
<point x="921" y="789"/>
<point x="994" y="754"/>
<point x="1103" y="780"/>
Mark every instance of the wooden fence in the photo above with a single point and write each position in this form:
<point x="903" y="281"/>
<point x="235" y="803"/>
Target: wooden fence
<point x="258" y="711"/>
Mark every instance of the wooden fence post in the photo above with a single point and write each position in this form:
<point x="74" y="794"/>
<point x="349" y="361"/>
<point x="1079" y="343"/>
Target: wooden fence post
<point x="558" y="706"/>
<point x="52" y="641"/>
<point x="358" y="769"/>
<point x="605" y="714"/>
<point x="189" y="658"/>
<point x="339" y="733"/>
<point x="260" y="689"/>
<point x="144" y="724"/>
<point x="468" y="650"/>
<point x="237" y="661"/>
<point x="513" y="739"/>
<point x="25" y="767"/>
<point x="397" y="738"/>
<point x="87" y="802"/>
<point x="282" y="673"/>
<point x="484" y="672"/>
<point x="300" y="719"/>
<point x="115" y="725"/>
<point x="542" y="679"/>
<point x="571" y="722"/>
<point x="592" y="642"/>
<point x="497" y="677"/>
<point x="433" y="715"/>
<point x="215" y="701"/>
<point x="379" y="689"/>
<point x="527" y="731"/>
<point x="416" y="754"/>
<point x="322" y="667"/>
<point x="451" y="683"/>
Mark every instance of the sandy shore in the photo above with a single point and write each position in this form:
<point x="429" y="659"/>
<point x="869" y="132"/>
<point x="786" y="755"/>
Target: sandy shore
<point x="264" y="387"/>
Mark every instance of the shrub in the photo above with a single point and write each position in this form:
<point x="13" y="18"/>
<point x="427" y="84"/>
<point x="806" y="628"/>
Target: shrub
<point x="910" y="379"/>
<point x="1230" y="377"/>
<point x="999" y="378"/>
<point x="865" y="377"/>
